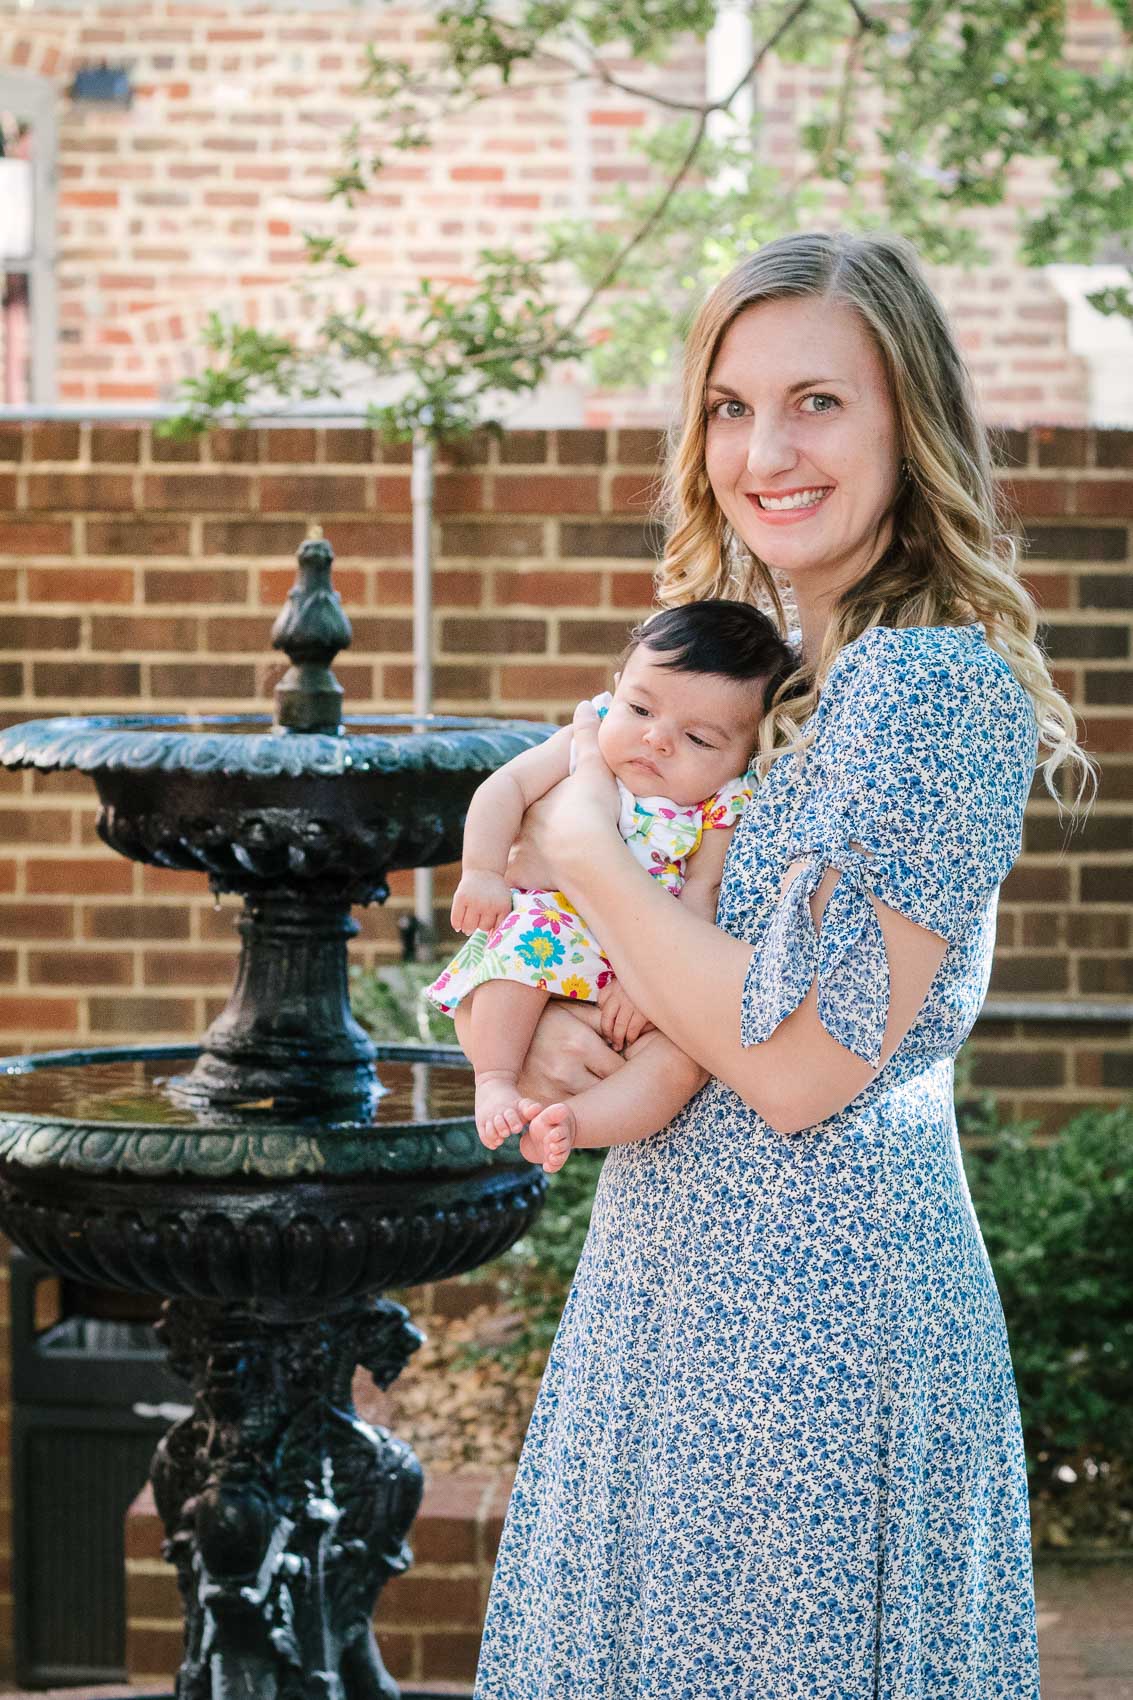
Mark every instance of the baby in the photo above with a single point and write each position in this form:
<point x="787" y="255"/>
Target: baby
<point x="678" y="734"/>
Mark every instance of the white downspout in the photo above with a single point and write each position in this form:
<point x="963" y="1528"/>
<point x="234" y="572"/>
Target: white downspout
<point x="730" y="45"/>
<point x="422" y="484"/>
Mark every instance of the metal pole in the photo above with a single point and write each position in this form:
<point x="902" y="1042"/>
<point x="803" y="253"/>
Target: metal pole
<point x="421" y="489"/>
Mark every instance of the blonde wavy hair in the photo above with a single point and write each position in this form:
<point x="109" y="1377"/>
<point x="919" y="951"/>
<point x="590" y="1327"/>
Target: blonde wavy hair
<point x="950" y="560"/>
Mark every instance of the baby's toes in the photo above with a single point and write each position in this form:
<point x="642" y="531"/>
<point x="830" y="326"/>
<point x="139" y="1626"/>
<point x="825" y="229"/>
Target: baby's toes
<point x="501" y="1125"/>
<point x="544" y="1124"/>
<point x="558" y="1147"/>
<point x="555" y="1125"/>
<point x="528" y="1109"/>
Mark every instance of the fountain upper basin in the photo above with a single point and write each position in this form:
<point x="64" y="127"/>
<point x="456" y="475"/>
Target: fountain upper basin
<point x="256" y="809"/>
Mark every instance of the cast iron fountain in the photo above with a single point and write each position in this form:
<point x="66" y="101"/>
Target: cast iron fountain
<point x="267" y="1183"/>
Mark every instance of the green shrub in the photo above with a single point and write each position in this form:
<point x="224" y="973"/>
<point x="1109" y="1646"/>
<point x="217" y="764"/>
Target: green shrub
<point x="1057" y="1220"/>
<point x="388" y="1003"/>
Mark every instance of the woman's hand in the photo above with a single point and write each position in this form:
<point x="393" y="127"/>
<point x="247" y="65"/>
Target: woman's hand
<point x="567" y="1054"/>
<point x="571" y="819"/>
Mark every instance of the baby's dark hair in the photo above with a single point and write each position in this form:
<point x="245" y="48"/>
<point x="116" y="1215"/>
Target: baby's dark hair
<point x="730" y="639"/>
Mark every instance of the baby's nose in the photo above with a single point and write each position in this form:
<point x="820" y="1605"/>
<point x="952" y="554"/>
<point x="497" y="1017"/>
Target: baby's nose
<point x="657" y="737"/>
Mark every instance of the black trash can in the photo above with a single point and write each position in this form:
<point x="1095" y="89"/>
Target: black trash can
<point x="91" y="1396"/>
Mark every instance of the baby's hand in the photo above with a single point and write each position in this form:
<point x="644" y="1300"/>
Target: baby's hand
<point x="482" y="900"/>
<point x="622" y="1022"/>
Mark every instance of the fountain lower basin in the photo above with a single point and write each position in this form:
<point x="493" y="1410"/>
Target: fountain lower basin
<point x="111" y="1178"/>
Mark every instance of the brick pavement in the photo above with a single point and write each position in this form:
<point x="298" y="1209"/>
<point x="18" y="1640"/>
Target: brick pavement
<point x="1086" y="1630"/>
<point x="1085" y="1635"/>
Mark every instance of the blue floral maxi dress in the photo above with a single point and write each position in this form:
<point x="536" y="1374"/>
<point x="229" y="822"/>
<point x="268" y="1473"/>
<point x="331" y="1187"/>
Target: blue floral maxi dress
<point x="776" y="1454"/>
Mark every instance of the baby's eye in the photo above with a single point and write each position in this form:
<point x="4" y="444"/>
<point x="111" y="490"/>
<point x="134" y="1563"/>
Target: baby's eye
<point x="701" y="743"/>
<point x="817" y="398"/>
<point x="638" y="708"/>
<point x="716" y="408"/>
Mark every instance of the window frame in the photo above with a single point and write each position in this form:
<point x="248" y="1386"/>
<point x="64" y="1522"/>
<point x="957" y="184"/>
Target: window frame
<point x="33" y="100"/>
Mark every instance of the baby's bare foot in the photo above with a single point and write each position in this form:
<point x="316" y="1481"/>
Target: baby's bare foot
<point x="497" y="1109"/>
<point x="557" y="1129"/>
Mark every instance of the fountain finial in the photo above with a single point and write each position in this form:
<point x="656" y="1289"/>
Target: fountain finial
<point x="311" y="629"/>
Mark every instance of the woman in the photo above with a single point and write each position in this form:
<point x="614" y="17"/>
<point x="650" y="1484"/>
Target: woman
<point x="777" y="1451"/>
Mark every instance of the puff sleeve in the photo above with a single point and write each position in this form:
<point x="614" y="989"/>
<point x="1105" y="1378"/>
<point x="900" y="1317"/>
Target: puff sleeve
<point x="921" y="772"/>
<point x="725" y="808"/>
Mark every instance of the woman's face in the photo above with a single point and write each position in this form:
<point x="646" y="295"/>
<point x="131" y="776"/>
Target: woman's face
<point x="802" y="446"/>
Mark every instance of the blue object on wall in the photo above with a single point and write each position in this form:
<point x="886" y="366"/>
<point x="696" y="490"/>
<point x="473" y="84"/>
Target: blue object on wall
<point x="107" y="84"/>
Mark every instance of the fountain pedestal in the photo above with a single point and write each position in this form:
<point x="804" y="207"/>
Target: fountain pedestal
<point x="284" y="1513"/>
<point x="288" y="1018"/>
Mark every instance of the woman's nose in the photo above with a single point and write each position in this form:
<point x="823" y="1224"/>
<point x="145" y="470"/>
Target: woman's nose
<point x="769" y="449"/>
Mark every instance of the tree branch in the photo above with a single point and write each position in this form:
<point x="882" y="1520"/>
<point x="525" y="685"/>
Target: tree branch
<point x="761" y="52"/>
<point x="649" y="224"/>
<point x="865" y="21"/>
<point x="845" y="103"/>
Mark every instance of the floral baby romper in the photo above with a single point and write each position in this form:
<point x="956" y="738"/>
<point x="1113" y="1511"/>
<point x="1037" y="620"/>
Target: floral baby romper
<point x="545" y="942"/>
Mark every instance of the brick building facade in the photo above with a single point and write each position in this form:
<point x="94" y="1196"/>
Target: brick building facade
<point x="196" y="195"/>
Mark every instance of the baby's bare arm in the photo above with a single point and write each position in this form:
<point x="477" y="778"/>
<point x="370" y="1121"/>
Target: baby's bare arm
<point x="497" y="809"/>
<point x="483" y="897"/>
<point x="701" y="889"/>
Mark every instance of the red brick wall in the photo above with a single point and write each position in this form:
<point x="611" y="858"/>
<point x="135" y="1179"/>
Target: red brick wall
<point x="197" y="196"/>
<point x="139" y="574"/>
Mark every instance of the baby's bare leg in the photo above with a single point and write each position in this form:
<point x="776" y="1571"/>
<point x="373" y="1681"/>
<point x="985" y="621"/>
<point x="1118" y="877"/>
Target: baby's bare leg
<point x="656" y="1082"/>
<point x="502" y="1020"/>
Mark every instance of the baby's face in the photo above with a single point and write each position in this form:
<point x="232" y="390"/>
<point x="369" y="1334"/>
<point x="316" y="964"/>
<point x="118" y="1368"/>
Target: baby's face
<point x="678" y="735"/>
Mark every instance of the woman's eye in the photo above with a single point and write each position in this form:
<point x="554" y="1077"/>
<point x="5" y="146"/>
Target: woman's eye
<point x="822" y="403"/>
<point x="716" y="410"/>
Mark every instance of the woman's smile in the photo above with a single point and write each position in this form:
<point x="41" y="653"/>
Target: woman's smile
<point x="787" y="507"/>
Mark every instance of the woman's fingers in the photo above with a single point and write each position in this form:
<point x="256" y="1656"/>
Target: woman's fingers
<point x="567" y="1053"/>
<point x="591" y="773"/>
<point x="585" y="723"/>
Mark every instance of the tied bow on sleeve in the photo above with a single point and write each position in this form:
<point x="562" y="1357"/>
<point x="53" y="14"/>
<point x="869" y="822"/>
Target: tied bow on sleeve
<point x="847" y="956"/>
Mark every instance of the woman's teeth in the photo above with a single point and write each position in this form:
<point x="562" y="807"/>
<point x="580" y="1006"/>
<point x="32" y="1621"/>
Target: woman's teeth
<point x="801" y="499"/>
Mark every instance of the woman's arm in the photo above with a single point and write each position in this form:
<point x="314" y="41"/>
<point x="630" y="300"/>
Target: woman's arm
<point x="689" y="978"/>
